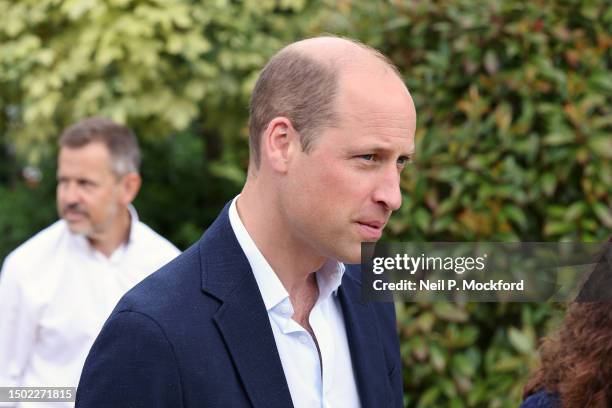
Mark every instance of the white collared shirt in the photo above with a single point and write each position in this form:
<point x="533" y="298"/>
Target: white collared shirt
<point x="311" y="384"/>
<point x="56" y="292"/>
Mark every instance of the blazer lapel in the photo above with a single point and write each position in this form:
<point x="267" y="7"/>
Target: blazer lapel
<point x="367" y="353"/>
<point x="242" y="318"/>
<point x="244" y="324"/>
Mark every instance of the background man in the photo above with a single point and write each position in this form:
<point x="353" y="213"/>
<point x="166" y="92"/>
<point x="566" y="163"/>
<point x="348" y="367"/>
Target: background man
<point x="262" y="311"/>
<point x="58" y="288"/>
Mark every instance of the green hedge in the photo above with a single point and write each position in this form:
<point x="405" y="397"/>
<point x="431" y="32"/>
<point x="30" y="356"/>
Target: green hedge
<point x="514" y="136"/>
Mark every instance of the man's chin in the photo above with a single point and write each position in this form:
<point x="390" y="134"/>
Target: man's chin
<point x="350" y="255"/>
<point x="78" y="228"/>
<point x="355" y="255"/>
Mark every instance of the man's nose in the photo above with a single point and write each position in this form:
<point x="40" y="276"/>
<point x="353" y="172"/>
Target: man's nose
<point x="387" y="191"/>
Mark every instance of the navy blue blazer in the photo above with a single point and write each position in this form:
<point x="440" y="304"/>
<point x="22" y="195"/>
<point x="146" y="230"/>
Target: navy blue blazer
<point x="196" y="334"/>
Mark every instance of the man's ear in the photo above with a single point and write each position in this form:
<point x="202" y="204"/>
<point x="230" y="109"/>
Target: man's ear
<point x="279" y="141"/>
<point x="130" y="186"/>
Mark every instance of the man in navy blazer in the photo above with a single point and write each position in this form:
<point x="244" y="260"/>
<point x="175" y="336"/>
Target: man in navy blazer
<point x="262" y="311"/>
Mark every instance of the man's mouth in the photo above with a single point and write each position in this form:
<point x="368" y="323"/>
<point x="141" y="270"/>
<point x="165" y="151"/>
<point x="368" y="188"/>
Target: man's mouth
<point x="370" y="230"/>
<point x="71" y="215"/>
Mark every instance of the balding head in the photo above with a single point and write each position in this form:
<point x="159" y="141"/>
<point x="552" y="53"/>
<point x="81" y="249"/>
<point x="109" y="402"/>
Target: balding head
<point x="301" y="83"/>
<point x="342" y="54"/>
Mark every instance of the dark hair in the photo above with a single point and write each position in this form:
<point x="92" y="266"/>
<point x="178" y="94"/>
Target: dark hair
<point x="120" y="141"/>
<point x="576" y="361"/>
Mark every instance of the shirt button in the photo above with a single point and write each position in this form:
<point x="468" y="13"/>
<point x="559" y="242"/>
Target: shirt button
<point x="304" y="339"/>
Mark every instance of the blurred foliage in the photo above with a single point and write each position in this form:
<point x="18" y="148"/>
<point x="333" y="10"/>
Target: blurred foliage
<point x="159" y="65"/>
<point x="515" y="119"/>
<point x="514" y="136"/>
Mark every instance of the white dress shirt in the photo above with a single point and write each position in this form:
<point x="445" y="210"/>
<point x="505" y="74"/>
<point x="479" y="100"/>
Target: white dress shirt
<point x="56" y="292"/>
<point x="325" y="383"/>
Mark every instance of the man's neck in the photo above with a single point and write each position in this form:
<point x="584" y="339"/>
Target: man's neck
<point x="293" y="261"/>
<point x="114" y="236"/>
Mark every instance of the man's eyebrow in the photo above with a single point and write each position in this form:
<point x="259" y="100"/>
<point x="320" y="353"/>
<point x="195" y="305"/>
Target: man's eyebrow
<point x="383" y="149"/>
<point x="409" y="153"/>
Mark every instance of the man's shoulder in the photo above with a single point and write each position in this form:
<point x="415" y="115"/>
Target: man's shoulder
<point x="167" y="288"/>
<point x="182" y="275"/>
<point x="40" y="245"/>
<point x="158" y="244"/>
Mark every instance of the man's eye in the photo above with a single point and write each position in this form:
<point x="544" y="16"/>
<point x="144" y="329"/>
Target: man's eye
<point x="403" y="160"/>
<point x="368" y="157"/>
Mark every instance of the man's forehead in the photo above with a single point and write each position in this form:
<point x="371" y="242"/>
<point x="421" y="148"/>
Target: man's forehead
<point x="374" y="92"/>
<point x="380" y="141"/>
<point x="91" y="158"/>
<point x="94" y="150"/>
<point x="374" y="107"/>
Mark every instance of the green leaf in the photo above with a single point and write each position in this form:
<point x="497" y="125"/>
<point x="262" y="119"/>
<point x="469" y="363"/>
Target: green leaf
<point x="521" y="341"/>
<point x="515" y="214"/>
<point x="548" y="183"/>
<point x="450" y="312"/>
<point x="562" y="136"/>
<point x="557" y="228"/>
<point x="603" y="213"/>
<point x="601" y="145"/>
<point x="437" y="359"/>
<point x="429" y="398"/>
<point x="422" y="219"/>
